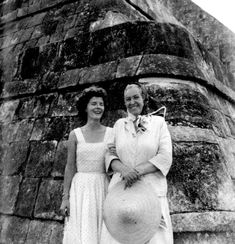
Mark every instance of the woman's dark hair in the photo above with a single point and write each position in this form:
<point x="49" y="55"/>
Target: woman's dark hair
<point x="85" y="97"/>
<point x="144" y="95"/>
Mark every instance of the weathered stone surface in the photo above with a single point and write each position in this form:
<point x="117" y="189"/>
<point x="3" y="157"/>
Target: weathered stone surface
<point x="170" y="64"/>
<point x="228" y="147"/>
<point x="194" y="178"/>
<point x="40" y="126"/>
<point x="20" y="87"/>
<point x="220" y="125"/>
<point x="49" y="81"/>
<point x="41" y="232"/>
<point x="183" y="133"/>
<point x="215" y="37"/>
<point x="206" y="221"/>
<point x="112" y="116"/>
<point x="66" y="105"/>
<point x="15" y="156"/>
<point x="192" y="107"/>
<point x="13" y="229"/>
<point x="49" y="200"/>
<point x="156" y="10"/>
<point x="57" y="234"/>
<point x="9" y="132"/>
<point x="27" y="197"/>
<point x="98" y="73"/>
<point x="58" y="129"/>
<point x="60" y="159"/>
<point x="41" y="158"/>
<point x="127" y="67"/>
<point x="231" y="124"/>
<point x="69" y="78"/>
<point x="120" y="41"/>
<point x="25" y="108"/>
<point x="7" y="111"/>
<point x="111" y="18"/>
<point x="9" y="188"/>
<point x="43" y="104"/>
<point x="24" y="130"/>
<point x="204" y="237"/>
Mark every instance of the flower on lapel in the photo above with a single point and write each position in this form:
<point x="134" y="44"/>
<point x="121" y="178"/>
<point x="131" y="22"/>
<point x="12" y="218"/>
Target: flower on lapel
<point x="141" y="124"/>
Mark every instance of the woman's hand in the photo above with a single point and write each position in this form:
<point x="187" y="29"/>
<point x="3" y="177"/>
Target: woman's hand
<point x="130" y="176"/>
<point x="65" y="207"/>
<point x="112" y="149"/>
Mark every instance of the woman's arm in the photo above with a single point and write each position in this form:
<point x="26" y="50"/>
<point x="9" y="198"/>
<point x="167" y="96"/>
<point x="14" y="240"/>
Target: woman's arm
<point x="70" y="170"/>
<point x="163" y="159"/>
<point x="146" y="168"/>
<point x="128" y="174"/>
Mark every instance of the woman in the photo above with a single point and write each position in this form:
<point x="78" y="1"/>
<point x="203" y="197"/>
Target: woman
<point x="143" y="151"/>
<point x="85" y="181"/>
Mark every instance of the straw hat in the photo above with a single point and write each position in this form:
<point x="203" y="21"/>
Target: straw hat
<point x="132" y="216"/>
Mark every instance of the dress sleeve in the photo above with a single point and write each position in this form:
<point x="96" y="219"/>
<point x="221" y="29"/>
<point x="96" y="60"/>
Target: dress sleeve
<point x="108" y="155"/>
<point x="163" y="158"/>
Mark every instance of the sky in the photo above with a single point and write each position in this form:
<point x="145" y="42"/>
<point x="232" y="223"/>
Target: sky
<point x="223" y="10"/>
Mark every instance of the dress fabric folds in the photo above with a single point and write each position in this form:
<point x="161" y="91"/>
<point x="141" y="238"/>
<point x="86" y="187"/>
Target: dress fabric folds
<point x="87" y="192"/>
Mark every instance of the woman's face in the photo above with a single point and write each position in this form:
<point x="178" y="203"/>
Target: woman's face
<point x="134" y="101"/>
<point x="95" y="108"/>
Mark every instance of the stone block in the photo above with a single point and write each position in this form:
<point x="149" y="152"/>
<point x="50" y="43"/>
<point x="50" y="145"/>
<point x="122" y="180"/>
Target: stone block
<point x="27" y="34"/>
<point x="16" y="88"/>
<point x="189" y="134"/>
<point x="60" y="159"/>
<point x="43" y="103"/>
<point x="36" y="19"/>
<point x="69" y="78"/>
<point x="197" y="178"/>
<point x="24" y="130"/>
<point x="127" y="67"/>
<point x="9" y="132"/>
<point x="41" y="232"/>
<point x="158" y="64"/>
<point x="34" y="7"/>
<point x="66" y="105"/>
<point x="22" y="12"/>
<point x="39" y="129"/>
<point x="204" y="237"/>
<point x="220" y="126"/>
<point x="13" y="229"/>
<point x="7" y="111"/>
<point x="57" y="234"/>
<point x="228" y="148"/>
<point x="25" y="108"/>
<point x="15" y="156"/>
<point x="49" y="200"/>
<point x="49" y="81"/>
<point x="41" y="158"/>
<point x="27" y="197"/>
<point x="120" y="41"/>
<point x="9" y="188"/>
<point x="219" y="221"/>
<point x="75" y="51"/>
<point x="231" y="125"/>
<point x="58" y="129"/>
<point x="192" y="107"/>
<point x="98" y="73"/>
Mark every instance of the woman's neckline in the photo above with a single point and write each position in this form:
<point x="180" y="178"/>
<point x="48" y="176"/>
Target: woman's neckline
<point x="83" y="137"/>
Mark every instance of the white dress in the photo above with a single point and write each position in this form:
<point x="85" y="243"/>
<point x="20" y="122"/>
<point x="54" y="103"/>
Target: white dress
<point x="87" y="192"/>
<point x="153" y="145"/>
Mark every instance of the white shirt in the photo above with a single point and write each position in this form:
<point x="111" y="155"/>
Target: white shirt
<point x="152" y="145"/>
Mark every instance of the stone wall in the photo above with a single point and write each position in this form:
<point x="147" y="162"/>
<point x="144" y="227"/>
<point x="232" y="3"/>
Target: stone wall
<point x="51" y="50"/>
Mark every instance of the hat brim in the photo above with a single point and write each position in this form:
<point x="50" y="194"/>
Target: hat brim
<point x="132" y="215"/>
